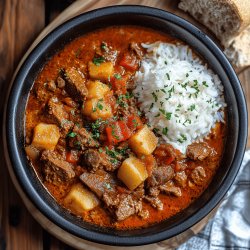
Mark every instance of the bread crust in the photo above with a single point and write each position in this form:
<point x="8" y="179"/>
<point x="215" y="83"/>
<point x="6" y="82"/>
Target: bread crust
<point x="242" y="9"/>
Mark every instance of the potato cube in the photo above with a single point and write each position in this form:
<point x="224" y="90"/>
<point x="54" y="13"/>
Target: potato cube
<point x="97" y="108"/>
<point x="132" y="172"/>
<point x="80" y="199"/>
<point x="97" y="89"/>
<point x="102" y="71"/>
<point x="45" y="136"/>
<point x="143" y="141"/>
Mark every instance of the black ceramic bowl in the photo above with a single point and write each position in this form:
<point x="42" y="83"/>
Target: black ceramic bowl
<point x="158" y="20"/>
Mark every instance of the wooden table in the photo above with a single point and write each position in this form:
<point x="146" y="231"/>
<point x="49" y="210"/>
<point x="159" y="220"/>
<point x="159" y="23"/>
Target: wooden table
<point x="20" y="22"/>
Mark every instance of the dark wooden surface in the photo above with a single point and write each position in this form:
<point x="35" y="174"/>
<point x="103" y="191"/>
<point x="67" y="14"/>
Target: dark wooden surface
<point x="20" y="22"/>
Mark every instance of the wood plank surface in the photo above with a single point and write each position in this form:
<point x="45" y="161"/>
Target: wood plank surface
<point x="20" y="22"/>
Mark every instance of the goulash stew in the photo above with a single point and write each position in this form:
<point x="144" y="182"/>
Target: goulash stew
<point x="125" y="126"/>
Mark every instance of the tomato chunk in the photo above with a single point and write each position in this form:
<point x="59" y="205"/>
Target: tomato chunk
<point x="134" y="122"/>
<point x="149" y="162"/>
<point x="119" y="85"/>
<point x="118" y="132"/>
<point x="72" y="156"/>
<point x="129" y="62"/>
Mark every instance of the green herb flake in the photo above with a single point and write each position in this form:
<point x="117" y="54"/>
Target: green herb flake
<point x="156" y="130"/>
<point x="165" y="131"/>
<point x="98" y="60"/>
<point x="71" y="134"/>
<point x="117" y="76"/>
<point x="168" y="76"/>
<point x="155" y="96"/>
<point x="167" y="115"/>
<point x="192" y="107"/>
<point x="205" y="84"/>
<point x="99" y="104"/>
<point x="104" y="46"/>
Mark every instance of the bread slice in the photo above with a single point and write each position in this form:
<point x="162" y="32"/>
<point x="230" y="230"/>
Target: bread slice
<point x="238" y="52"/>
<point x="225" y="18"/>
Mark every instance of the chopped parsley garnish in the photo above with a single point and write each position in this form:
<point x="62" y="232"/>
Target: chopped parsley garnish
<point x="104" y="46"/>
<point x="168" y="76"/>
<point x="156" y="130"/>
<point x="113" y="132"/>
<point x="71" y="134"/>
<point x="98" y="60"/>
<point x="95" y="126"/>
<point x="187" y="75"/>
<point x="121" y="102"/>
<point x="128" y="95"/>
<point x="205" y="84"/>
<point x="118" y="76"/>
<point x="116" y="153"/>
<point x="167" y="115"/>
<point x="182" y="139"/>
<point x="192" y="107"/>
<point x="99" y="105"/>
<point x="155" y="96"/>
<point x="165" y="131"/>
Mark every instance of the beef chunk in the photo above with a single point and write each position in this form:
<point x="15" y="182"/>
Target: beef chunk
<point x="126" y="207"/>
<point x="75" y="84"/>
<point x="198" y="175"/>
<point x="153" y="191"/>
<point x="160" y="175"/>
<point x="56" y="170"/>
<point x="138" y="193"/>
<point x="181" y="179"/>
<point x="170" y="188"/>
<point x="144" y="214"/>
<point x="198" y="151"/>
<point x="99" y="182"/>
<point x="82" y="139"/>
<point x="96" y="160"/>
<point x="51" y="86"/>
<point x="58" y="114"/>
<point x="122" y="205"/>
<point x="154" y="202"/>
<point x="60" y="82"/>
<point x="136" y="49"/>
<point x="103" y="184"/>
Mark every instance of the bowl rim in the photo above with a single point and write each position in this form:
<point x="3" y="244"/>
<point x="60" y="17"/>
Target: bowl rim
<point x="46" y="210"/>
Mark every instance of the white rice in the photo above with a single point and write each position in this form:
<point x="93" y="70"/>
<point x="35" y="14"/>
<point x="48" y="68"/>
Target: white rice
<point x="181" y="98"/>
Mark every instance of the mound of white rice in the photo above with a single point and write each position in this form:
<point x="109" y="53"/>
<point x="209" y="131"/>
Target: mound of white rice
<point x="181" y="98"/>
